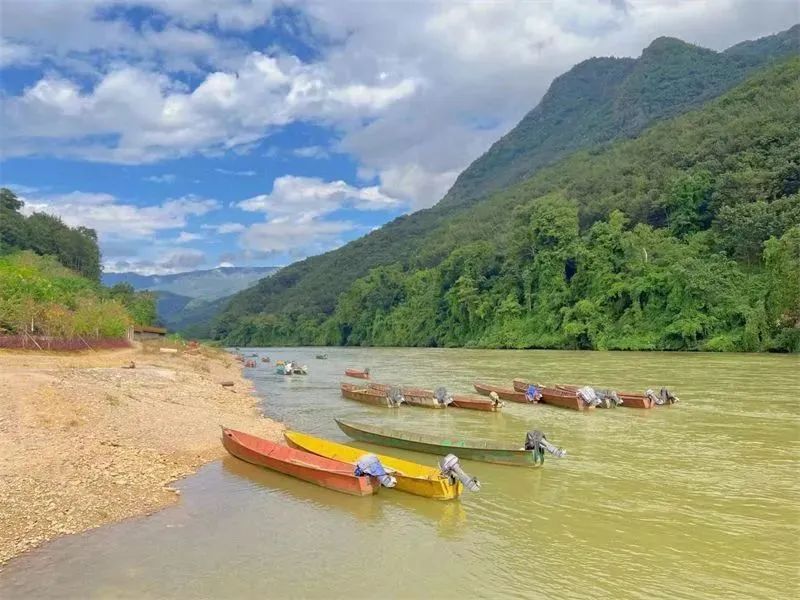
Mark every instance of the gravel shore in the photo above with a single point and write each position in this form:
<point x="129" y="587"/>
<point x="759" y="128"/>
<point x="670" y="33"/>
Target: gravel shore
<point x="85" y="441"/>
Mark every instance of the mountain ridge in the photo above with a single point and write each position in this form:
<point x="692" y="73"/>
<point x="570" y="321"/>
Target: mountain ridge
<point x="594" y="103"/>
<point x="204" y="284"/>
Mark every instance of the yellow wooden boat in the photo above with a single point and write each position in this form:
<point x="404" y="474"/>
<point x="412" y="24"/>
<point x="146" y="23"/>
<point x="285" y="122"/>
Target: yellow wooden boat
<point x="411" y="477"/>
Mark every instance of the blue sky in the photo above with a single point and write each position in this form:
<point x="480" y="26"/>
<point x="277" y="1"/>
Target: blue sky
<point x="194" y="133"/>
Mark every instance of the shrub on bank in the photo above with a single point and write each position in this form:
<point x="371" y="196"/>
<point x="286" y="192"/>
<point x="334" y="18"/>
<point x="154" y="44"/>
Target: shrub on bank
<point x="40" y="297"/>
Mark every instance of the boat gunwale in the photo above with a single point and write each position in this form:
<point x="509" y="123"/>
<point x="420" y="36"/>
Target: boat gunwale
<point x="404" y="436"/>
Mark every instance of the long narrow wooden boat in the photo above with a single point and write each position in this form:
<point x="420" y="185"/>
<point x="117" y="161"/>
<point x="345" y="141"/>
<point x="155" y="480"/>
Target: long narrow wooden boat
<point x="565" y="398"/>
<point x="411" y="477"/>
<point x="357" y="374"/>
<point x="413" y="396"/>
<point x="475" y="403"/>
<point x="504" y="454"/>
<point x="507" y="394"/>
<point x="629" y="399"/>
<point x="366" y="395"/>
<point x="325" y="472"/>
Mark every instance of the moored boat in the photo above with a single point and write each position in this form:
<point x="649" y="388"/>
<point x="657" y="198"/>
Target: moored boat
<point x="369" y="396"/>
<point x="322" y="357"/>
<point x="411" y="477"/>
<point x="504" y="454"/>
<point x="476" y="403"/>
<point x="629" y="399"/>
<point x="357" y="374"/>
<point x="565" y="398"/>
<point x="507" y="394"/>
<point x="325" y="472"/>
<point x="413" y="396"/>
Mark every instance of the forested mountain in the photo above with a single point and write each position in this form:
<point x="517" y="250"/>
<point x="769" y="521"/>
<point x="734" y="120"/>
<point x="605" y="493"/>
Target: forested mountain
<point x="687" y="237"/>
<point x="596" y="102"/>
<point x="602" y="99"/>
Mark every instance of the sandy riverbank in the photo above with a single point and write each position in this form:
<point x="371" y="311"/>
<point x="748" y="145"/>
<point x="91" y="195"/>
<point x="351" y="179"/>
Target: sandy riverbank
<point x="84" y="442"/>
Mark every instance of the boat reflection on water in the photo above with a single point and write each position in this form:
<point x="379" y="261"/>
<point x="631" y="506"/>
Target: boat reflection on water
<point x="449" y="516"/>
<point x="364" y="508"/>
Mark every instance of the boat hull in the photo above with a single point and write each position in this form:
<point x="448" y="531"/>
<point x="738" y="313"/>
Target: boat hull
<point x="327" y="473"/>
<point x="365" y="395"/>
<point x="413" y="396"/>
<point x="507" y="394"/>
<point x="356" y="374"/>
<point x="474" y="403"/>
<point x="411" y="477"/>
<point x="564" y="398"/>
<point x="417" y="443"/>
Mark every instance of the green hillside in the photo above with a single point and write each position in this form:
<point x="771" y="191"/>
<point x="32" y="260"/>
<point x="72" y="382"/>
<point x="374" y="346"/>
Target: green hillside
<point x="597" y="101"/>
<point x="49" y="280"/>
<point x="687" y="237"/>
<point x="75" y="248"/>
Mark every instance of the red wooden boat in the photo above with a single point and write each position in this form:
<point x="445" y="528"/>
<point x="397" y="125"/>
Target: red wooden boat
<point x="331" y="474"/>
<point x="555" y="396"/>
<point x="475" y="403"/>
<point x="366" y="395"/>
<point x="357" y="374"/>
<point x="629" y="399"/>
<point x="507" y="394"/>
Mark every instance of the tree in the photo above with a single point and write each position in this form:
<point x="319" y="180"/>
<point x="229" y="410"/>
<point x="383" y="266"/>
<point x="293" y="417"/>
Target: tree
<point x="10" y="201"/>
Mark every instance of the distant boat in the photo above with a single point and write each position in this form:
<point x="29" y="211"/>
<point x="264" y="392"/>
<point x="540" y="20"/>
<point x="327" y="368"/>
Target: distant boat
<point x="357" y="374"/>
<point x="290" y="369"/>
<point x="507" y="394"/>
<point x="368" y="396"/>
<point x="322" y="356"/>
<point x="492" y="452"/>
<point x="411" y="477"/>
<point x="412" y="396"/>
<point x="331" y="474"/>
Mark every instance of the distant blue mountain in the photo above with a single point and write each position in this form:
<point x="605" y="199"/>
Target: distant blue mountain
<point x="207" y="285"/>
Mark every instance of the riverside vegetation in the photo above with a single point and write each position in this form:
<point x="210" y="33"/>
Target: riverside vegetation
<point x="684" y="238"/>
<point x="49" y="280"/>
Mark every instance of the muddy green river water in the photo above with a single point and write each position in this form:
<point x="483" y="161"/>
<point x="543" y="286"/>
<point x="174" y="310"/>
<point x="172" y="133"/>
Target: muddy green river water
<point x="699" y="500"/>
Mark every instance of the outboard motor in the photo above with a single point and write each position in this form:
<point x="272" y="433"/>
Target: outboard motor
<point x="395" y="396"/>
<point x="608" y="398"/>
<point x="442" y="397"/>
<point x="589" y="396"/>
<point x="366" y="370"/>
<point x="369" y="464"/>
<point x="536" y="442"/>
<point x="667" y="396"/>
<point x="452" y="469"/>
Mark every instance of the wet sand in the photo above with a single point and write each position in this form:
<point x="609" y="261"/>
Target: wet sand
<point x="85" y="442"/>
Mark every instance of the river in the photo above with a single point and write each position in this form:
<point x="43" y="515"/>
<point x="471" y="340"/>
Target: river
<point x="698" y="500"/>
